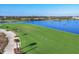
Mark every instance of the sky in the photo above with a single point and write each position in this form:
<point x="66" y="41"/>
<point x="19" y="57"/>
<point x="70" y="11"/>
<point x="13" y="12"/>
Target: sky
<point x="39" y="9"/>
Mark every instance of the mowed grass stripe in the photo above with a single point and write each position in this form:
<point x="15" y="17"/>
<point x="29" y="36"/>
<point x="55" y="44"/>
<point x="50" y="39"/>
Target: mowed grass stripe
<point x="48" y="40"/>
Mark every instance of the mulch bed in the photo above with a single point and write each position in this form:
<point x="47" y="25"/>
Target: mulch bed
<point x="3" y="42"/>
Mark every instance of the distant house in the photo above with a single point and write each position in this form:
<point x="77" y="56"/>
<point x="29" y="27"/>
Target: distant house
<point x="75" y="17"/>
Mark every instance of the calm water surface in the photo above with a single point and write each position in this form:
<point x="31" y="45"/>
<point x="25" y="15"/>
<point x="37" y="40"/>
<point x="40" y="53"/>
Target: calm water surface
<point x="65" y="25"/>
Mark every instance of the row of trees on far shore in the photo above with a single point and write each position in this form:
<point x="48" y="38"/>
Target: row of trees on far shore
<point x="30" y="18"/>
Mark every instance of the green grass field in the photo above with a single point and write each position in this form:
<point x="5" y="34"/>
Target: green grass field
<point x="49" y="41"/>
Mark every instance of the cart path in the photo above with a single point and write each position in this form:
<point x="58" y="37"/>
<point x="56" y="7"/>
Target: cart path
<point x="9" y="49"/>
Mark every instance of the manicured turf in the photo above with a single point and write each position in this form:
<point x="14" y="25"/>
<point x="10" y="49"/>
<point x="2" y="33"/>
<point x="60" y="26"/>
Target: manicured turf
<point x="47" y="40"/>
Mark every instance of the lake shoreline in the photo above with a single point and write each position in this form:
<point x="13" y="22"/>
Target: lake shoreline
<point x="65" y="25"/>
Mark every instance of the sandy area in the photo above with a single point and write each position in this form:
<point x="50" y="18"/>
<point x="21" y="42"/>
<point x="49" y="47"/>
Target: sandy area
<point x="11" y="45"/>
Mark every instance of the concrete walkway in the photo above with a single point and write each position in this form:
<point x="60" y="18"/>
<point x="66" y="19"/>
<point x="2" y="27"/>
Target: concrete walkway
<point x="11" y="44"/>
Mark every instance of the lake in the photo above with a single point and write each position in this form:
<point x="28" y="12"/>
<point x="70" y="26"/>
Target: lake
<point x="65" y="25"/>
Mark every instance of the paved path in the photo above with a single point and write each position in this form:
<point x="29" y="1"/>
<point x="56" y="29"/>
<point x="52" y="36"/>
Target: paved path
<point x="11" y="44"/>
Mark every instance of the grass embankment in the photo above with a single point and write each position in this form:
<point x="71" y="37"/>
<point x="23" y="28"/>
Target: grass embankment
<point x="48" y="40"/>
